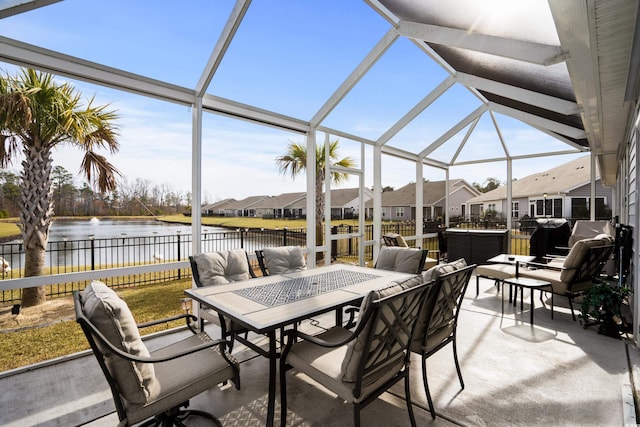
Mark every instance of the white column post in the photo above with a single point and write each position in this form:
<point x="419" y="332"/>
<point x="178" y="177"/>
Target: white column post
<point x="196" y="175"/>
<point x="446" y="198"/>
<point x="419" y="219"/>
<point x="311" y="197"/>
<point x="327" y="201"/>
<point x="592" y="196"/>
<point x="377" y="200"/>
<point x="509" y="201"/>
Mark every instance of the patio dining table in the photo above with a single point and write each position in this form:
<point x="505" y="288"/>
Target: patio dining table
<point x="266" y="304"/>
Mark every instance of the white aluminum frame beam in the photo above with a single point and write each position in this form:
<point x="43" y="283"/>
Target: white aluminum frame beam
<point x="535" y="53"/>
<point x="520" y="157"/>
<point x="454" y="130"/>
<point x="372" y="57"/>
<point x="415" y="111"/>
<point x="16" y="7"/>
<point x="538" y="121"/>
<point x="530" y="97"/>
<point x="221" y="47"/>
<point x="28" y="55"/>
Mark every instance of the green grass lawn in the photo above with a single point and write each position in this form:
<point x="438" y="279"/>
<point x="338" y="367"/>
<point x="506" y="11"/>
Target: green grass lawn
<point x="62" y="336"/>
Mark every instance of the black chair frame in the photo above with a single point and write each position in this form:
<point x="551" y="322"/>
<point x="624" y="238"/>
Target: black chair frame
<point x="449" y="301"/>
<point x="383" y="342"/>
<point x="172" y="416"/>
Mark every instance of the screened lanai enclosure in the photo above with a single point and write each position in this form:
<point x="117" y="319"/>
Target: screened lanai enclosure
<point x="410" y="87"/>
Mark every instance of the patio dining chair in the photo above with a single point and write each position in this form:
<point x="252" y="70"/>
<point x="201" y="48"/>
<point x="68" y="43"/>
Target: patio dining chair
<point x="437" y="326"/>
<point x="281" y="260"/>
<point x="361" y="365"/>
<point x="404" y="260"/>
<point x="219" y="268"/>
<point x="145" y="385"/>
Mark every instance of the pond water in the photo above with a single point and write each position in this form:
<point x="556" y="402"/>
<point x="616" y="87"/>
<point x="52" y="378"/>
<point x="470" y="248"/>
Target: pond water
<point x="116" y="242"/>
<point x="107" y="228"/>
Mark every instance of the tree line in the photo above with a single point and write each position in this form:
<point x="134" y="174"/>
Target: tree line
<point x="139" y="197"/>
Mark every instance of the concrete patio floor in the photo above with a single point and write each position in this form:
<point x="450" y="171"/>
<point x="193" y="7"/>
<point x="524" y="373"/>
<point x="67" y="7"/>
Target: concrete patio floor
<point x="552" y="373"/>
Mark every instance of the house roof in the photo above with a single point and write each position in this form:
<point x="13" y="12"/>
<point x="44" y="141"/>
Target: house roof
<point x="284" y="200"/>
<point x="217" y="205"/>
<point x="558" y="180"/>
<point x="433" y="192"/>
<point x="341" y="196"/>
<point x="248" y="202"/>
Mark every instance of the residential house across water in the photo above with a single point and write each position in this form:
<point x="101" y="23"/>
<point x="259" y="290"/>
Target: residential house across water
<point x="561" y="192"/>
<point x="400" y="204"/>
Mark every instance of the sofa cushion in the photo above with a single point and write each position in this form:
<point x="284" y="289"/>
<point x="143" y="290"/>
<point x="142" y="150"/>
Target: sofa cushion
<point x="284" y="259"/>
<point x="394" y="258"/>
<point x="356" y="347"/>
<point x="218" y="268"/>
<point x="111" y="315"/>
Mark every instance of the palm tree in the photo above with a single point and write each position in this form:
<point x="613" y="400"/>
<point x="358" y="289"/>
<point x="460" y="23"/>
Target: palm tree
<point x="36" y="116"/>
<point x="295" y="161"/>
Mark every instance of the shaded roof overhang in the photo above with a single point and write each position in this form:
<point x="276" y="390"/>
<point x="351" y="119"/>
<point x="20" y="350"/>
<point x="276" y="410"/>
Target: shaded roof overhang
<point x="561" y="67"/>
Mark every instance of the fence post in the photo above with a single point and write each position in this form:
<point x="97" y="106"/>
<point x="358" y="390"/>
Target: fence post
<point x="179" y="255"/>
<point x="93" y="257"/>
<point x="350" y="230"/>
<point x="284" y="236"/>
<point x="241" y="238"/>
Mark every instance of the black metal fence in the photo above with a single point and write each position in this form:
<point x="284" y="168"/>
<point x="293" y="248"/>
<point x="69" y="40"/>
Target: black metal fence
<point x="96" y="254"/>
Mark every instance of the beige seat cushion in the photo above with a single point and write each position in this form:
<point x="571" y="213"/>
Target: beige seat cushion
<point x="496" y="271"/>
<point x="322" y="364"/>
<point x="284" y="259"/>
<point x="218" y="268"/>
<point x="111" y="315"/>
<point x="182" y="378"/>
<point x="394" y="258"/>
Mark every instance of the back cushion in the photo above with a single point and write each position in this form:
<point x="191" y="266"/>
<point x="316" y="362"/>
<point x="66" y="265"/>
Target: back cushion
<point x="436" y="317"/>
<point x="356" y="347"/>
<point x="438" y="270"/>
<point x="218" y="268"/>
<point x="577" y="253"/>
<point x="404" y="260"/>
<point x="285" y="259"/>
<point x="102" y="306"/>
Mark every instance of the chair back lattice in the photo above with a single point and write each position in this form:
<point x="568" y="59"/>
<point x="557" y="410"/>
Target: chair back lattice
<point x="440" y="322"/>
<point x="593" y="263"/>
<point x="261" y="262"/>
<point x="387" y="326"/>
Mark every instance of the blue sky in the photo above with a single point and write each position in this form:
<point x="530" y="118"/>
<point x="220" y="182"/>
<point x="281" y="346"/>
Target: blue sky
<point x="288" y="56"/>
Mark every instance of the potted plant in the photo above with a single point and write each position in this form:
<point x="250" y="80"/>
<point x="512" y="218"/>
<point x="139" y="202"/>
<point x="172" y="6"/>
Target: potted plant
<point x="601" y="306"/>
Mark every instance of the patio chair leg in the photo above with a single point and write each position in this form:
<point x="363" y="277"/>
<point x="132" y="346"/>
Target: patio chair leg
<point x="356" y="415"/>
<point x="283" y="394"/>
<point x="573" y="314"/>
<point x="407" y="394"/>
<point x="426" y="387"/>
<point x="455" y="358"/>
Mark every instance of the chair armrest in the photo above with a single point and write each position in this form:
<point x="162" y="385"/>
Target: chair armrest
<point x="190" y="320"/>
<point x="544" y="266"/>
<point x="133" y="358"/>
<point x="168" y="319"/>
<point x="293" y="334"/>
